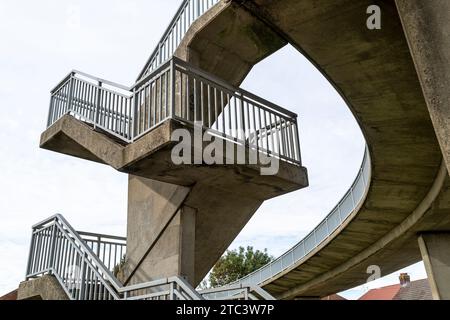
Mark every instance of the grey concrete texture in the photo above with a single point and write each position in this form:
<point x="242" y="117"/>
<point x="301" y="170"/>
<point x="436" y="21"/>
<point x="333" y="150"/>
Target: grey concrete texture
<point x="376" y="76"/>
<point x="43" y="288"/>
<point x="427" y="27"/>
<point x="154" y="231"/>
<point x="435" y="249"/>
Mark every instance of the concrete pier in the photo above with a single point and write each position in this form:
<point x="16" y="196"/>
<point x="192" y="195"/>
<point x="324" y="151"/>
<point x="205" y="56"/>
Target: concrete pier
<point x="435" y="250"/>
<point x="427" y="28"/>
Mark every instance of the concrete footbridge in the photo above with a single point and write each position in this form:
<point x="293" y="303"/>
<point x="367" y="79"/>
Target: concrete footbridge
<point x="183" y="216"/>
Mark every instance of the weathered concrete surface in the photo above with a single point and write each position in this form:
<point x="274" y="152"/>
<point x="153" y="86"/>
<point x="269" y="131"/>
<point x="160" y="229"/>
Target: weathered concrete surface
<point x="435" y="249"/>
<point x="224" y="197"/>
<point x="43" y="288"/>
<point x="155" y="234"/>
<point x="375" y="74"/>
<point x="75" y="138"/>
<point x="227" y="42"/>
<point x="427" y="28"/>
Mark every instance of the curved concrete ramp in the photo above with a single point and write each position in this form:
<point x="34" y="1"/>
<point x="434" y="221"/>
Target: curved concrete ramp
<point x="374" y="72"/>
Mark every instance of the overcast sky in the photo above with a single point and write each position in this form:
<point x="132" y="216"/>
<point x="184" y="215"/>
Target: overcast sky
<point x="41" y="41"/>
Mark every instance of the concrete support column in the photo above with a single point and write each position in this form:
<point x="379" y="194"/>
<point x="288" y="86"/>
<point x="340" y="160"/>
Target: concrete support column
<point x="435" y="250"/>
<point x="160" y="232"/>
<point x="427" y="28"/>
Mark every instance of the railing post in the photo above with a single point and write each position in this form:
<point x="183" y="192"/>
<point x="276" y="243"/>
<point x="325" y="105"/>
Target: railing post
<point x="172" y="89"/>
<point x="297" y="141"/>
<point x="70" y="98"/>
<point x="172" y="291"/>
<point x="97" y="105"/>
<point x="82" y="277"/>
<point x="246" y="291"/>
<point x="98" y="247"/>
<point x="52" y="247"/>
<point x="30" y="255"/>
<point x="242" y="117"/>
<point x="160" y="53"/>
<point x="50" y="111"/>
<point x="135" y="115"/>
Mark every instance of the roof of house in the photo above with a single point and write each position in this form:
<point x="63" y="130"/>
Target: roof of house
<point x="415" y="290"/>
<point x="384" y="293"/>
<point x="10" y="296"/>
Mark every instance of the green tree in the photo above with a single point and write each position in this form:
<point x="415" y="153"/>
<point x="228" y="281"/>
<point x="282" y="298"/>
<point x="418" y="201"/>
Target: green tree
<point x="236" y="264"/>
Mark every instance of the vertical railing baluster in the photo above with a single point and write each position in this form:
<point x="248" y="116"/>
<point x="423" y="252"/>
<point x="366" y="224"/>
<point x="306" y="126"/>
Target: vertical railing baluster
<point x="242" y="119"/>
<point x="188" y="99"/>
<point x="52" y="246"/>
<point x="272" y="134"/>
<point x="255" y="132"/>
<point x="42" y="265"/>
<point x="50" y="111"/>
<point x="195" y="98"/>
<point x="97" y="105"/>
<point x="38" y="252"/>
<point x="135" y="115"/>
<point x="297" y="142"/>
<point x="208" y="106"/>
<point x="160" y="80"/>
<point x="222" y="107"/>
<point x="69" y="100"/>
<point x="216" y="111"/>
<point x="82" y="285"/>
<point x="230" y="126"/>
<point x="172" y="90"/>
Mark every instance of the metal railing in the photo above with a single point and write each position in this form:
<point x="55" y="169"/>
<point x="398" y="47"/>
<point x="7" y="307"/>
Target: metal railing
<point x="349" y="204"/>
<point x="236" y="292"/>
<point x="189" y="11"/>
<point x="235" y="114"/>
<point x="177" y="90"/>
<point x="111" y="250"/>
<point x="57" y="249"/>
<point x="104" y="104"/>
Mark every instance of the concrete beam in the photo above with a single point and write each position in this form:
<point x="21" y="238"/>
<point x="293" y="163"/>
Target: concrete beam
<point x="435" y="251"/>
<point x="427" y="29"/>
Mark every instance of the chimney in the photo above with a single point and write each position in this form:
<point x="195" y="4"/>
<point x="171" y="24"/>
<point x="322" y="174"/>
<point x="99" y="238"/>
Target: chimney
<point x="404" y="279"/>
